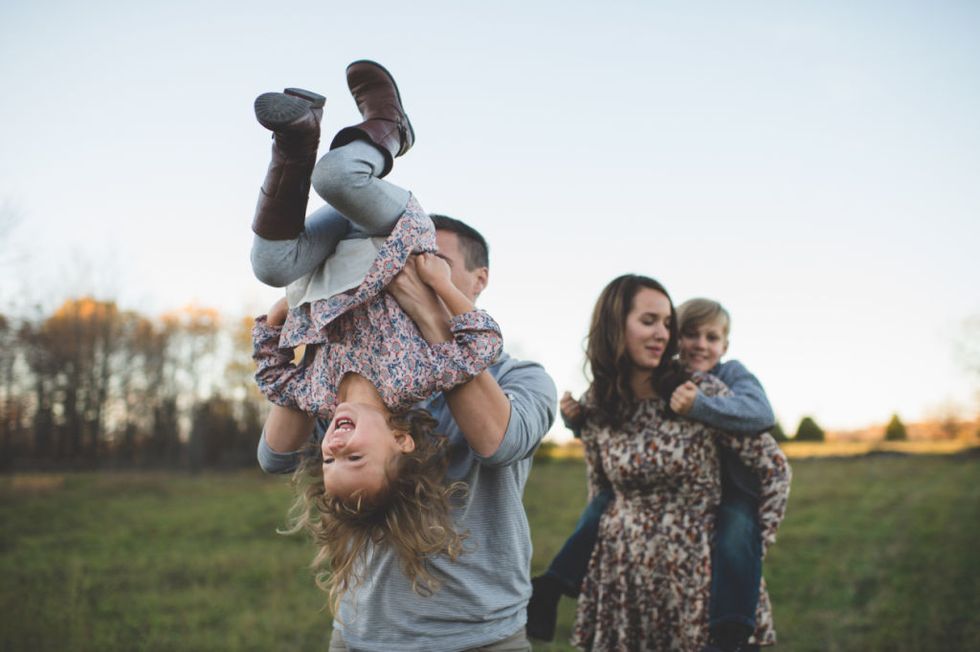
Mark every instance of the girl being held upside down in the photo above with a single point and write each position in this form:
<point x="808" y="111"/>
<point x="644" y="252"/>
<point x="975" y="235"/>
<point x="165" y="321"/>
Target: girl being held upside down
<point x="378" y="472"/>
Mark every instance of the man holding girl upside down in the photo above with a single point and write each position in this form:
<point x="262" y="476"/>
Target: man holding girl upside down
<point x="389" y="326"/>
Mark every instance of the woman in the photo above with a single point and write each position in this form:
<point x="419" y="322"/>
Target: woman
<point x="648" y="583"/>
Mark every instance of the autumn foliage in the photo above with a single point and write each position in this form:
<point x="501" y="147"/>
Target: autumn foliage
<point x="92" y="385"/>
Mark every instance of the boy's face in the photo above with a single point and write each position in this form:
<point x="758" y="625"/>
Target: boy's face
<point x="702" y="346"/>
<point x="359" y="448"/>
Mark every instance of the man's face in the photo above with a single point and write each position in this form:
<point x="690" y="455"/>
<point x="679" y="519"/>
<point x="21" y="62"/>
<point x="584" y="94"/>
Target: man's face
<point x="469" y="282"/>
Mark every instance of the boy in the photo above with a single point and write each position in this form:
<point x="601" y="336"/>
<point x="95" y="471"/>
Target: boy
<point x="737" y="552"/>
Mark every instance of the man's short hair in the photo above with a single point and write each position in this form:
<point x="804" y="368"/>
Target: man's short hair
<point x="476" y="253"/>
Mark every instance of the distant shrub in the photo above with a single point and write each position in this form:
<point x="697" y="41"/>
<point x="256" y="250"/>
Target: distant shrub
<point x="895" y="430"/>
<point x="778" y="433"/>
<point x="808" y="430"/>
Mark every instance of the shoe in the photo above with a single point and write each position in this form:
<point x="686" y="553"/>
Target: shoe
<point x="730" y="637"/>
<point x="542" y="609"/>
<point x="385" y="124"/>
<point x="293" y="116"/>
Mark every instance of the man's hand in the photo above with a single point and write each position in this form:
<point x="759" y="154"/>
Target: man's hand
<point x="683" y="397"/>
<point x="277" y="313"/>
<point x="571" y="410"/>
<point x="420" y="303"/>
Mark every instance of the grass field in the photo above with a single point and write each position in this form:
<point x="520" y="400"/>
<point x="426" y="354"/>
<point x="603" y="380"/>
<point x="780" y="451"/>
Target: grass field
<point x="877" y="553"/>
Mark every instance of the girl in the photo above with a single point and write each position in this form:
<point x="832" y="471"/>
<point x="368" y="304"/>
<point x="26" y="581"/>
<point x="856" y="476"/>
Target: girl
<point x="378" y="473"/>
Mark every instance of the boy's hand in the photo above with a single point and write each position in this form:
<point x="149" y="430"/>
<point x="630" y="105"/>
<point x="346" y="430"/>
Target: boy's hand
<point x="433" y="270"/>
<point x="277" y="313"/>
<point x="571" y="410"/>
<point x="682" y="400"/>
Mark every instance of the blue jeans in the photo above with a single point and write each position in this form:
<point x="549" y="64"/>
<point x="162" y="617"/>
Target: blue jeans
<point x="736" y="556"/>
<point x="572" y="561"/>
<point x="359" y="205"/>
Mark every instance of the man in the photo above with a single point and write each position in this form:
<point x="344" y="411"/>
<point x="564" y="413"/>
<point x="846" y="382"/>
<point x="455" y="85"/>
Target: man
<point x="494" y="423"/>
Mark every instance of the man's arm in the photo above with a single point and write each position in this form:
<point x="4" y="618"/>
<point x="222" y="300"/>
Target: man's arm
<point x="747" y="412"/>
<point x="480" y="407"/>
<point x="533" y="400"/>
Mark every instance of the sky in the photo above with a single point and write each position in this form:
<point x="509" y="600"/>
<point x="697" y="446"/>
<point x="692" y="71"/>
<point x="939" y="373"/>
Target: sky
<point x="812" y="165"/>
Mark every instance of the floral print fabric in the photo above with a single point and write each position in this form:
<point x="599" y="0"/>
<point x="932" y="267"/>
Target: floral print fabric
<point x="649" y="578"/>
<point x="364" y="331"/>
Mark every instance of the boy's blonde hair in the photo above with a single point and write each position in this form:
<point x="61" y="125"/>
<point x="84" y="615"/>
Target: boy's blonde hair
<point x="412" y="514"/>
<point x="696" y="312"/>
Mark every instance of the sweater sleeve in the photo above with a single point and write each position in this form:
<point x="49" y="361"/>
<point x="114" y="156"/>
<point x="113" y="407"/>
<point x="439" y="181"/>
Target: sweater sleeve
<point x="746" y="411"/>
<point x="476" y="345"/>
<point x="272" y="461"/>
<point x="533" y="398"/>
<point x="279" y="380"/>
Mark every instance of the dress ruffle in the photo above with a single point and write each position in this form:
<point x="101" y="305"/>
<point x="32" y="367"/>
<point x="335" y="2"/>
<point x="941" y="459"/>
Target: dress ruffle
<point x="414" y="233"/>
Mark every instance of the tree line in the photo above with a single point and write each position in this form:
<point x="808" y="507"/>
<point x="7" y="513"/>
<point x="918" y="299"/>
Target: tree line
<point x="91" y="385"/>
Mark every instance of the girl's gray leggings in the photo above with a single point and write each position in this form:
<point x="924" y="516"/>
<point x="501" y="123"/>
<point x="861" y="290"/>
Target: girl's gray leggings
<point x="359" y="205"/>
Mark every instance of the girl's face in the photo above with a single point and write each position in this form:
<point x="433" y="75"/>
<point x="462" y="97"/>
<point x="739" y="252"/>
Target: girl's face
<point x="702" y="346"/>
<point x="648" y="328"/>
<point x="359" y="448"/>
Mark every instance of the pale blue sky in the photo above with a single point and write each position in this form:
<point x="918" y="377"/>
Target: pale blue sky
<point x="812" y="165"/>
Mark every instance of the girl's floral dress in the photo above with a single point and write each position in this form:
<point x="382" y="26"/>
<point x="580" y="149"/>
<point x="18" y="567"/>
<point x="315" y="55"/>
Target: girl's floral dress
<point x="364" y="331"/>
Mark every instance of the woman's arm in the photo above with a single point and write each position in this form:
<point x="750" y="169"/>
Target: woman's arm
<point x="767" y="461"/>
<point x="764" y="458"/>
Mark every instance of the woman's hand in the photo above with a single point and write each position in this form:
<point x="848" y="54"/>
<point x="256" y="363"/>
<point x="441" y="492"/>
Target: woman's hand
<point x="682" y="400"/>
<point x="277" y="313"/>
<point x="433" y="270"/>
<point x="571" y="410"/>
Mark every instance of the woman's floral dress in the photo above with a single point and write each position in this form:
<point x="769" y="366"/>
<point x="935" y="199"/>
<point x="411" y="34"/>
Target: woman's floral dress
<point x="649" y="579"/>
<point x="365" y="331"/>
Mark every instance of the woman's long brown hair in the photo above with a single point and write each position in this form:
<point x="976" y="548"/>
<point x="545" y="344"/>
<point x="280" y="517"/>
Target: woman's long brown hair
<point x="611" y="398"/>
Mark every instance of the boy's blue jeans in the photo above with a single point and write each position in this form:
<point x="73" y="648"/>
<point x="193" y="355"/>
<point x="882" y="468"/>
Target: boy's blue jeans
<point x="571" y="562"/>
<point x="736" y="559"/>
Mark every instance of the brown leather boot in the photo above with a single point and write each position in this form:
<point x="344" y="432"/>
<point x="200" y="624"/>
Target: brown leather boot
<point x="294" y="118"/>
<point x="385" y="123"/>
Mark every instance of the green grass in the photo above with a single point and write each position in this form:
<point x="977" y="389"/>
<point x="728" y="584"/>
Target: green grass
<point x="876" y="553"/>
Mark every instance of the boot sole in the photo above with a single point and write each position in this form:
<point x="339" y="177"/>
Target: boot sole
<point x="315" y="99"/>
<point x="277" y="111"/>
<point x="393" y="83"/>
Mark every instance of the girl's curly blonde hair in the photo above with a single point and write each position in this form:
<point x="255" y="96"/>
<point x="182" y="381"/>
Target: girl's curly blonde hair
<point x="412" y="514"/>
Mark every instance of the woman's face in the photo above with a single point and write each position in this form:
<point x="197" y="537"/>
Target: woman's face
<point x="359" y="448"/>
<point x="648" y="328"/>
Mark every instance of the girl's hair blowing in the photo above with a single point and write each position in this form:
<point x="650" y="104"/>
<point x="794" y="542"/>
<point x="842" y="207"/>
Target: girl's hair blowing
<point x="412" y="514"/>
